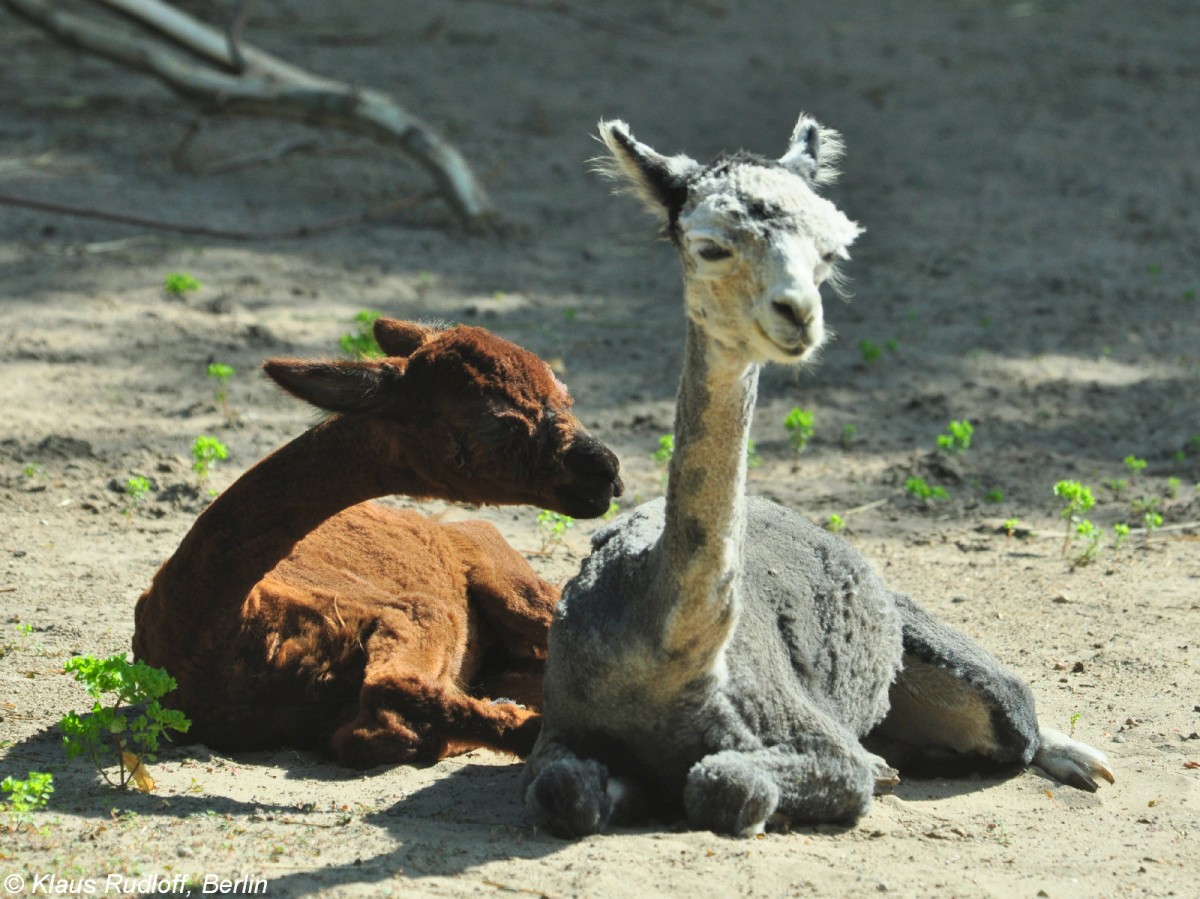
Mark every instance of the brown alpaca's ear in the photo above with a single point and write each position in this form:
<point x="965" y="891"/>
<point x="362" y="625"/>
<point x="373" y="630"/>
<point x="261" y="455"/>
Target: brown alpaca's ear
<point x="398" y="338"/>
<point x="336" y="386"/>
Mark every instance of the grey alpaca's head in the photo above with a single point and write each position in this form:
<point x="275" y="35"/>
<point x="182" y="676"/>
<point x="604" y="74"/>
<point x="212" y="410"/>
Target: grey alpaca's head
<point x="755" y="240"/>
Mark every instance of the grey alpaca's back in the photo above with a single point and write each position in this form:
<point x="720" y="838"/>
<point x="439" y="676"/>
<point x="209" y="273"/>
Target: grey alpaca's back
<point x="816" y="646"/>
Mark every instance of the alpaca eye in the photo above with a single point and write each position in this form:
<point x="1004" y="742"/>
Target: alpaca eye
<point x="713" y="252"/>
<point x="829" y="257"/>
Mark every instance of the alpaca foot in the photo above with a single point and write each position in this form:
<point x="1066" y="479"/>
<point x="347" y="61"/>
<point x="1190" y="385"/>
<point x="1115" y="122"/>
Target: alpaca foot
<point x="727" y="794"/>
<point x="571" y="798"/>
<point x="1071" y="762"/>
<point x="886" y="777"/>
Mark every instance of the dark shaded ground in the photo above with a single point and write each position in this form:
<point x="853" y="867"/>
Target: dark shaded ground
<point x="1027" y="176"/>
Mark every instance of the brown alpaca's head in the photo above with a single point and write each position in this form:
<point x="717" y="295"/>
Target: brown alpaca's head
<point x="467" y="414"/>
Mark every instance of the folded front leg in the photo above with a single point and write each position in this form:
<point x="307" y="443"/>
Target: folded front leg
<point x="570" y="796"/>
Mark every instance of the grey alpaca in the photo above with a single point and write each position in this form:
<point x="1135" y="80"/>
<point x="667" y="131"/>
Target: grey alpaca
<point x="721" y="657"/>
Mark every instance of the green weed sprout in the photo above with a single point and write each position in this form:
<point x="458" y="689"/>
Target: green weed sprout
<point x="666" y="449"/>
<point x="360" y="343"/>
<point x="1173" y="485"/>
<point x="552" y="527"/>
<point x="33" y="470"/>
<point x="136" y="489"/>
<point x="26" y="796"/>
<point x="835" y="524"/>
<point x="995" y="495"/>
<point x="1120" y="534"/>
<point x="1134" y="464"/>
<point x="1079" y="499"/>
<point x="1011" y="525"/>
<point x="753" y="459"/>
<point x="179" y="283"/>
<point x="109" y="727"/>
<point x="1091" y="536"/>
<point x="799" y="425"/>
<point x="206" y="452"/>
<point x="1074" y="720"/>
<point x="849" y="432"/>
<point x="1116" y="485"/>
<point x="959" y="437"/>
<point x="1152" y="519"/>
<point x="870" y="351"/>
<point x="921" y="490"/>
<point x="221" y="373"/>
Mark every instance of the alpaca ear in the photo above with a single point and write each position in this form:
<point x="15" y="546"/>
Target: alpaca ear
<point x="399" y="338"/>
<point x="813" y="152"/>
<point x="660" y="182"/>
<point x="335" y="386"/>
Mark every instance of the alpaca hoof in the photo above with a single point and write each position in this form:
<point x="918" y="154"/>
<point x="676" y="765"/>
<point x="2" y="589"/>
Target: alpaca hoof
<point x="570" y="799"/>
<point x="1071" y="762"/>
<point x="728" y="795"/>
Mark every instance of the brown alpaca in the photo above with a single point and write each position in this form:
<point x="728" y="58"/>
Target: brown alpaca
<point x="296" y="613"/>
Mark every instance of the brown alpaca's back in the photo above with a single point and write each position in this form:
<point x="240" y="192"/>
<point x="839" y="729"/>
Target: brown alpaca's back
<point x="296" y="614"/>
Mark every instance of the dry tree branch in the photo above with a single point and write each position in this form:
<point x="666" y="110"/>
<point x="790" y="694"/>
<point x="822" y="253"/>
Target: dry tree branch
<point x="268" y="86"/>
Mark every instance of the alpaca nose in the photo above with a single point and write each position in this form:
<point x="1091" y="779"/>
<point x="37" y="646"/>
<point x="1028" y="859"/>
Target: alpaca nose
<point x="793" y="310"/>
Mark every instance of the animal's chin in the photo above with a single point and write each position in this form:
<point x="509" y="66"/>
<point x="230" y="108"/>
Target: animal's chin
<point x="782" y="351"/>
<point x="588" y="502"/>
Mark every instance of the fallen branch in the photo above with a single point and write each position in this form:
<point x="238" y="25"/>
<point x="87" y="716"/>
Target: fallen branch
<point x="205" y="72"/>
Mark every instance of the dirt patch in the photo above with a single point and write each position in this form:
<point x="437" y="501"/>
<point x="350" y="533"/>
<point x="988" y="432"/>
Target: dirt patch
<point x="1027" y="177"/>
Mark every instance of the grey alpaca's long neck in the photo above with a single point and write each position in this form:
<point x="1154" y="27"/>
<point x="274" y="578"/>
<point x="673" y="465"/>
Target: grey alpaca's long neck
<point x="257" y="521"/>
<point x="701" y="544"/>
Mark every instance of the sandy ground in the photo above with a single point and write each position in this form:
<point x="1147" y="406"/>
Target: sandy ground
<point x="1027" y="174"/>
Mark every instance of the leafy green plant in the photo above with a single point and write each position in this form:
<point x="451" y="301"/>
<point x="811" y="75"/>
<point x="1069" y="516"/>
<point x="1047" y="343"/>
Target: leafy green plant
<point x="995" y="495"/>
<point x="1134" y="464"/>
<point x="1120" y="534"/>
<point x="753" y="459"/>
<point x="958" y="437"/>
<point x="849" y="432"/>
<point x="206" y="452"/>
<point x="552" y="528"/>
<point x="799" y="425"/>
<point x="666" y="449"/>
<point x="1091" y="536"/>
<point x="1173" y="485"/>
<point x="870" y="351"/>
<point x="221" y="373"/>
<point x="921" y="490"/>
<point x="179" y="283"/>
<point x="136" y="489"/>
<point x="835" y="524"/>
<point x="1147" y="507"/>
<point x="1079" y="499"/>
<point x="1012" y="525"/>
<point x="26" y="796"/>
<point x="33" y="470"/>
<point x="1116" y="485"/>
<point x="360" y="343"/>
<point x="109" y="728"/>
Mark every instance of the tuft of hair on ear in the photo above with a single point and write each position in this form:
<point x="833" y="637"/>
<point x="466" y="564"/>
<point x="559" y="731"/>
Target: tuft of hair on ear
<point x="335" y="386"/>
<point x="814" y="151"/>
<point x="659" y="182"/>
<point x="401" y="338"/>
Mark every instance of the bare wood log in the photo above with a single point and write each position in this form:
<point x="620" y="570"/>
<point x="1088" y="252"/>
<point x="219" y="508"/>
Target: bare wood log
<point x="268" y="87"/>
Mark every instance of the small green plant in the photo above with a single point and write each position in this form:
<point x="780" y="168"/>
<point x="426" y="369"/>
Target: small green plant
<point x="360" y="343"/>
<point x="921" y="490"/>
<point x="1091" y="536"/>
<point x="1152" y="519"/>
<point x="835" y="524"/>
<point x="1120" y="534"/>
<point x="613" y="508"/>
<point x="1134" y="464"/>
<point x="136" y="489"/>
<point x="753" y="459"/>
<point x="958" y="438"/>
<point x="870" y="351"/>
<point x="206" y="452"/>
<point x="109" y="728"/>
<point x="666" y="449"/>
<point x="1012" y="525"/>
<point x="1079" y="499"/>
<point x="26" y="796"/>
<point x="1173" y="485"/>
<point x="179" y="283"/>
<point x="33" y="470"/>
<point x="221" y="373"/>
<point x="995" y="495"/>
<point x="849" y="432"/>
<point x="1116" y="485"/>
<point x="799" y="425"/>
<point x="552" y="528"/>
<point x="1074" y="720"/>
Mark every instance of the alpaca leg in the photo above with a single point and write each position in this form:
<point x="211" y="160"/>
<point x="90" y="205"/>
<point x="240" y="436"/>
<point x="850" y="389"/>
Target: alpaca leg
<point x="737" y="792"/>
<point x="406" y="718"/>
<point x="507" y="592"/>
<point x="573" y="797"/>
<point x="953" y="696"/>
